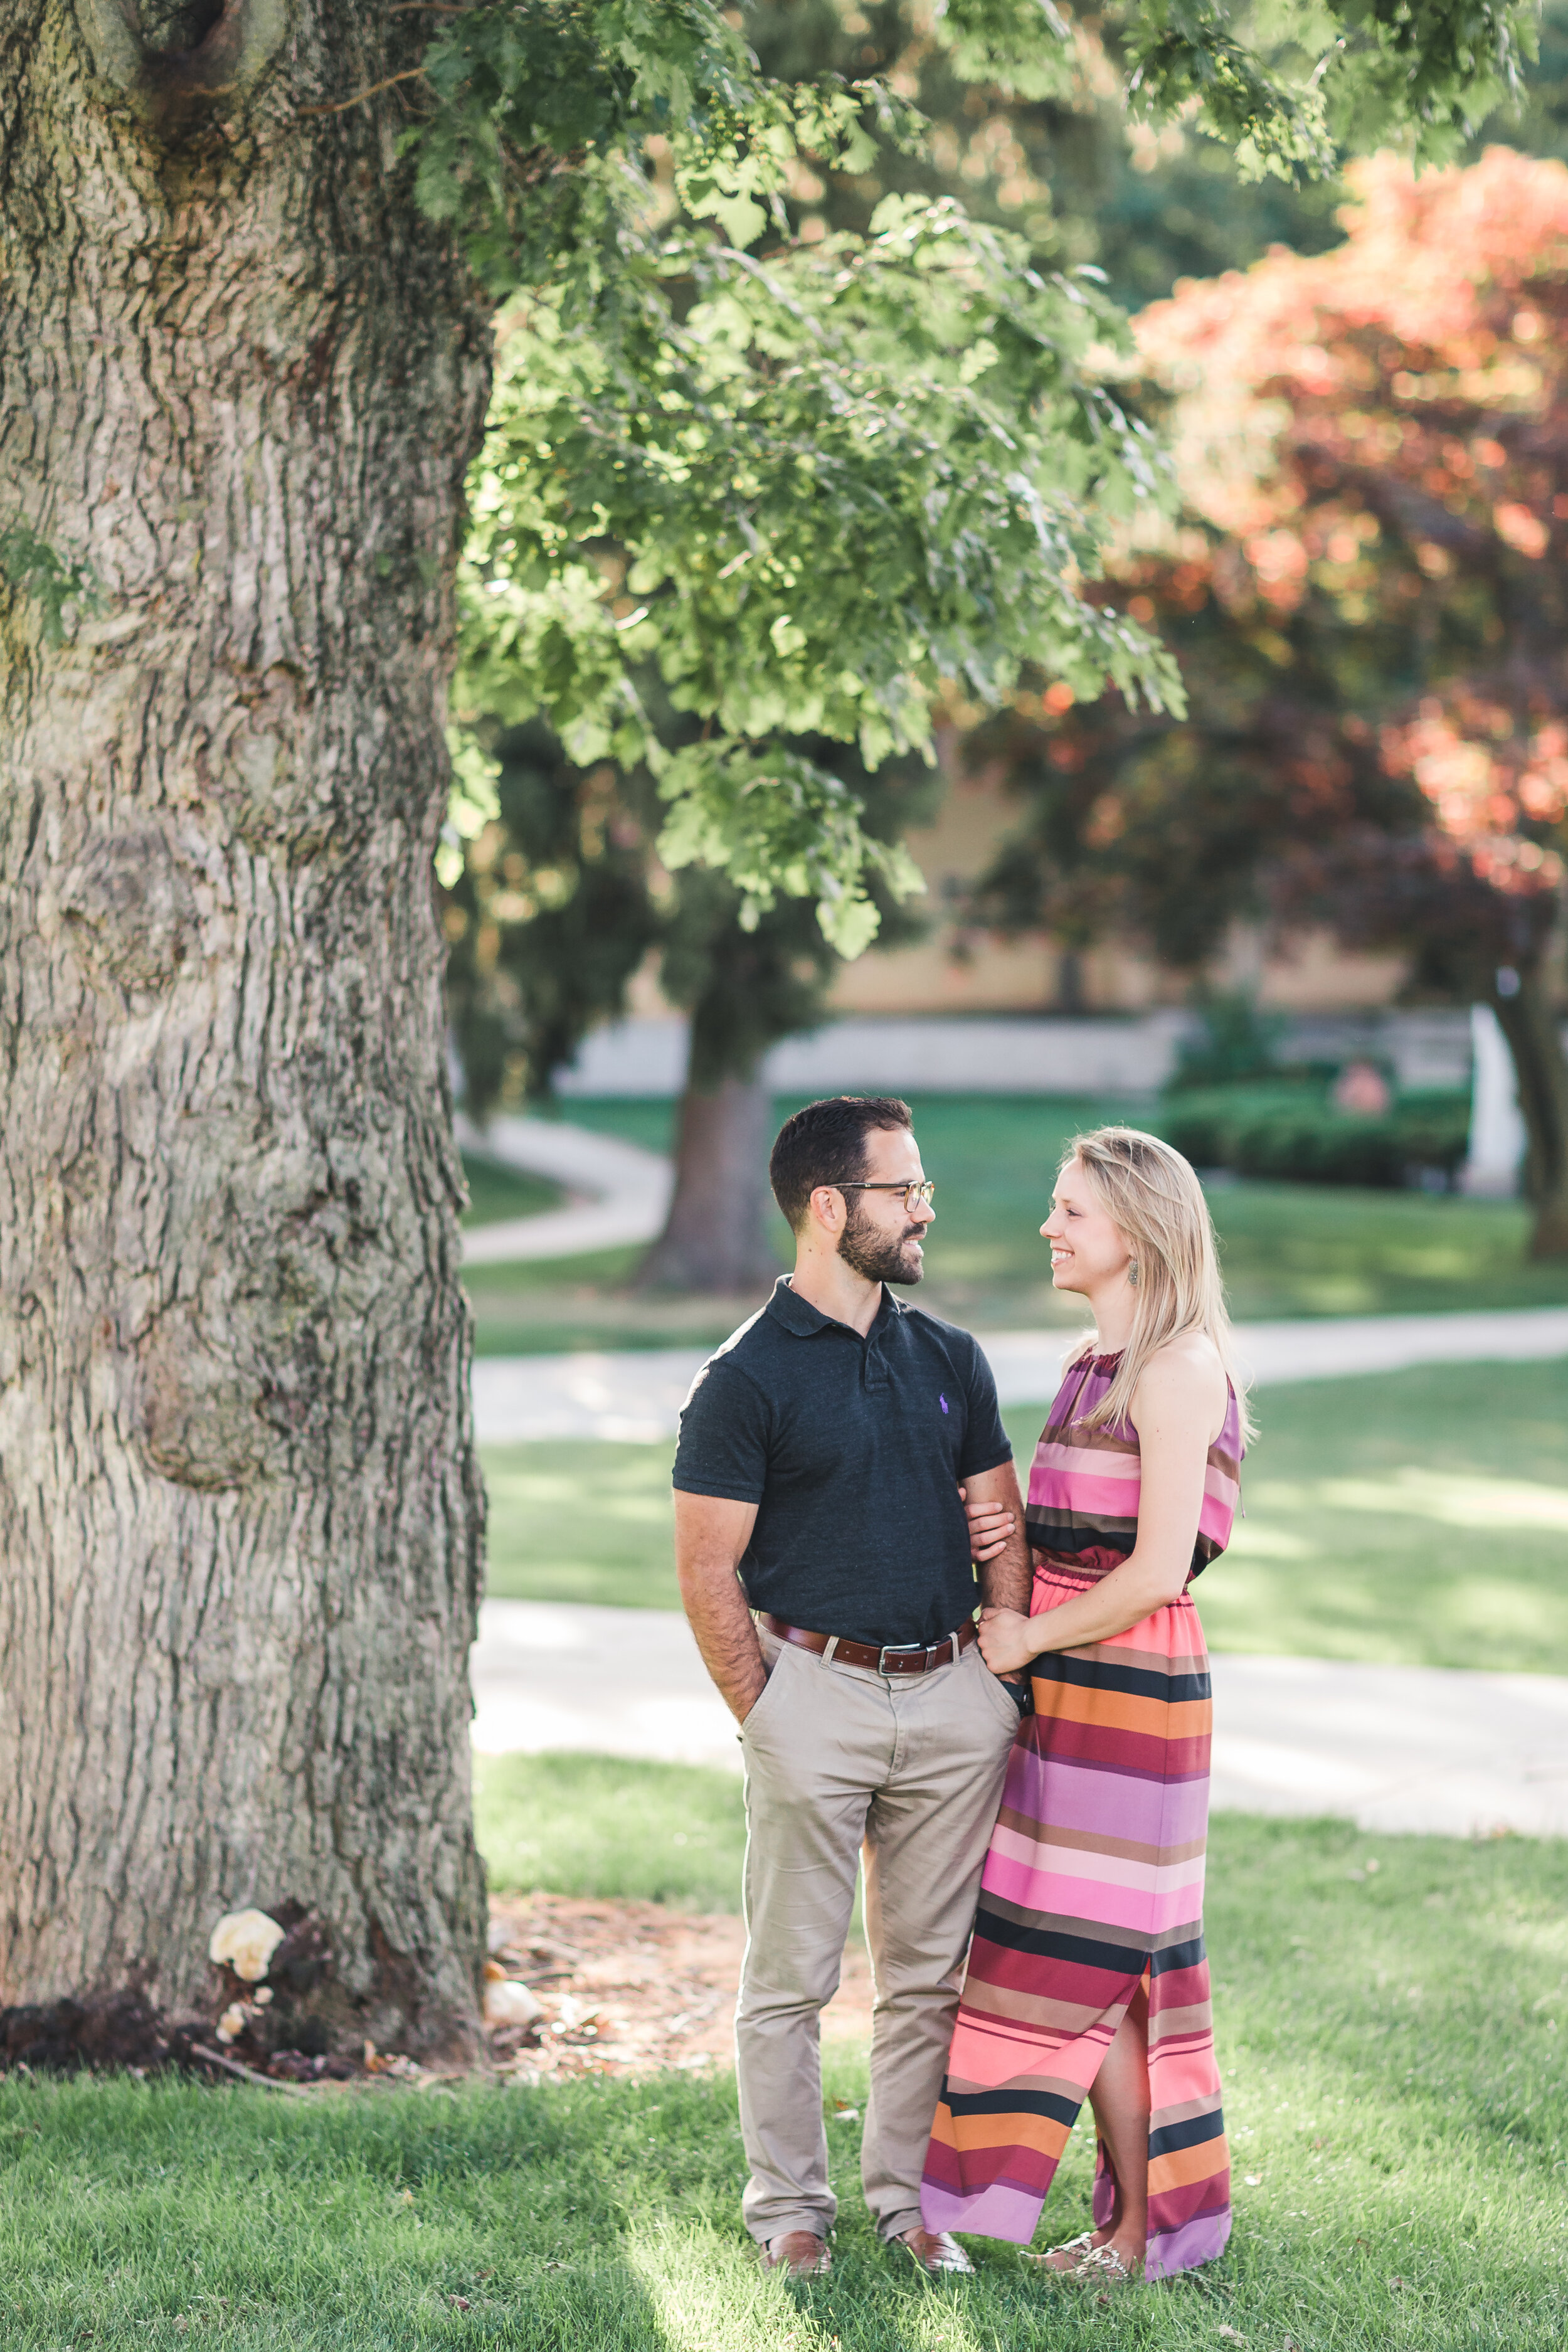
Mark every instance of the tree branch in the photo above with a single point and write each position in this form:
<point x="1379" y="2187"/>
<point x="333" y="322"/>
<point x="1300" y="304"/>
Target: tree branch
<point x="248" y="2073"/>
<point x="410" y="73"/>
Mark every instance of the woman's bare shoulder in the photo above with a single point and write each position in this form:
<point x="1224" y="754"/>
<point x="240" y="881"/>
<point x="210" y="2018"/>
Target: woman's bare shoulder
<point x="1194" y="1350"/>
<point x="1184" y="1370"/>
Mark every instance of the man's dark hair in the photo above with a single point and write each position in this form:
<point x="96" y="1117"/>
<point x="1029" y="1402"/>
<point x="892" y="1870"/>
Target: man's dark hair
<point x="825" y="1144"/>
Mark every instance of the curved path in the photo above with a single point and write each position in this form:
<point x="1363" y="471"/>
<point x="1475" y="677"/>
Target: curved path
<point x="1392" y="1747"/>
<point x="636" y="1394"/>
<point x="621" y="1192"/>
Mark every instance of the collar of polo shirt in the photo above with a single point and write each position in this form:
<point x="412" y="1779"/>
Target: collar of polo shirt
<point x="799" y="1316"/>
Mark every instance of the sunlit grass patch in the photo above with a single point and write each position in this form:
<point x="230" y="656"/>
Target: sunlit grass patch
<point x="582" y="1521"/>
<point x="1392" y="2015"/>
<point x="1410" y="1518"/>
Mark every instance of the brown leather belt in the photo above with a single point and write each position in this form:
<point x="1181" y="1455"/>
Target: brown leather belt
<point x="899" y="1658"/>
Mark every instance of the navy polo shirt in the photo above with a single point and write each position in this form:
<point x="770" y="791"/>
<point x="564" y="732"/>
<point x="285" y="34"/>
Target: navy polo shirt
<point x="853" y="1450"/>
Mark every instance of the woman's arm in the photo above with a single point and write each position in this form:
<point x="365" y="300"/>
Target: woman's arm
<point x="1178" y="1408"/>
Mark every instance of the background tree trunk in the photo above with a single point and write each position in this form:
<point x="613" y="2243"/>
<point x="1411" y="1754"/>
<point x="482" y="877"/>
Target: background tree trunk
<point x="1529" y="1020"/>
<point x="715" y="1237"/>
<point x="239" y="1515"/>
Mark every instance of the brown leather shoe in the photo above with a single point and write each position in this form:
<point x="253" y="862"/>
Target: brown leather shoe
<point x="798" y="2254"/>
<point x="935" y="2251"/>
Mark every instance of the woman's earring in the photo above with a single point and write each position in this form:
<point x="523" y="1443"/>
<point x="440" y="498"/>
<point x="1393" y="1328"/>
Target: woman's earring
<point x="1132" y="1273"/>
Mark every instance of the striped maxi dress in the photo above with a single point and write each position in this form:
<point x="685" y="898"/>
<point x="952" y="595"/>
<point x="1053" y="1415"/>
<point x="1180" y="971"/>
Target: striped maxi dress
<point x="1092" y="1893"/>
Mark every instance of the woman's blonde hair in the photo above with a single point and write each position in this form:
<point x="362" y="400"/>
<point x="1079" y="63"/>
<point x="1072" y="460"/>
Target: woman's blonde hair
<point x="1152" y="1197"/>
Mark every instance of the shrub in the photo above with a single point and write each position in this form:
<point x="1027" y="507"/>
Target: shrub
<point x="1296" y="1137"/>
<point x="1235" y="1044"/>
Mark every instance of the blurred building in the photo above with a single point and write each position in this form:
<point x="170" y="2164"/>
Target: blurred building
<point x="961" y="969"/>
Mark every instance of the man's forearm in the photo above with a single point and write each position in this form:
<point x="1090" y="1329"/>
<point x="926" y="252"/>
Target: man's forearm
<point x="721" y="1624"/>
<point x="1006" y="1581"/>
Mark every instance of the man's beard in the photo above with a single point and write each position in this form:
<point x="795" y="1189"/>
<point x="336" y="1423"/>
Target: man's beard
<point x="879" y="1257"/>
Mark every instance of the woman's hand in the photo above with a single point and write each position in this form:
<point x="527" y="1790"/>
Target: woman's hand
<point x="1006" y="1639"/>
<point x="990" y="1527"/>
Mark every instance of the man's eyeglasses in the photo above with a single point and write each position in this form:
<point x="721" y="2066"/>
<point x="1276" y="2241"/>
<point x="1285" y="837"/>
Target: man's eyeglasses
<point x="916" y="1196"/>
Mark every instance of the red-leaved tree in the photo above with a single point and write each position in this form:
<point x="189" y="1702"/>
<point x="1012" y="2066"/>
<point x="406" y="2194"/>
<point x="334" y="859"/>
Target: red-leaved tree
<point x="1369" y="598"/>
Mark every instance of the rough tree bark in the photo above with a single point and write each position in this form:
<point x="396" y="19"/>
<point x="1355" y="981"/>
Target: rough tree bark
<point x="239" y="1517"/>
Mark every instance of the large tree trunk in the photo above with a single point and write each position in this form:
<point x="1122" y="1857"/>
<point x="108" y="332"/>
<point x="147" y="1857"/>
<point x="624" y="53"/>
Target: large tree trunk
<point x="715" y="1237"/>
<point x="239" y="1513"/>
<point x="1531" y="1022"/>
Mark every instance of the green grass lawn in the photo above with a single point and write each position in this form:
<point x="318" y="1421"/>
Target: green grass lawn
<point x="574" y="1824"/>
<point x="1392" y="2047"/>
<point x="496" y="1192"/>
<point x="575" y="1521"/>
<point x="1289" y="1249"/>
<point x="1415" y="1517"/>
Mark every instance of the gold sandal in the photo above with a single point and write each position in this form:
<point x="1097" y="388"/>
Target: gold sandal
<point x="1102" y="2263"/>
<point x="1077" y="2247"/>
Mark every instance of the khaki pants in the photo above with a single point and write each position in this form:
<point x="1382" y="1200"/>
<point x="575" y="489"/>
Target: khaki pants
<point x="839" y="1757"/>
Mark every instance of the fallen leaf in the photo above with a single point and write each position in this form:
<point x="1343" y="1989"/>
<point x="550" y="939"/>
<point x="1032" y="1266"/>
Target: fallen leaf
<point x="459" y="2302"/>
<point x="1231" y="2336"/>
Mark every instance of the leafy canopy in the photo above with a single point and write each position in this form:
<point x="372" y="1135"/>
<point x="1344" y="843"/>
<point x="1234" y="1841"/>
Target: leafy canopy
<point x="808" y="487"/>
<point x="848" y="476"/>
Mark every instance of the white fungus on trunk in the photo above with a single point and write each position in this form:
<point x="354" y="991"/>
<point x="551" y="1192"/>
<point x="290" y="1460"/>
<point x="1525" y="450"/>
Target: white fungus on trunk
<point x="244" y="1942"/>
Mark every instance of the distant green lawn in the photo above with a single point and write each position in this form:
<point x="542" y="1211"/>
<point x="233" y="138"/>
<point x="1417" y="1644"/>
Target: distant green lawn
<point x="580" y="1521"/>
<point x="1419" y="1517"/>
<point x="572" y="1824"/>
<point x="1391" y="2051"/>
<point x="496" y="1192"/>
<point x="1289" y="1249"/>
<point x="1416" y="1518"/>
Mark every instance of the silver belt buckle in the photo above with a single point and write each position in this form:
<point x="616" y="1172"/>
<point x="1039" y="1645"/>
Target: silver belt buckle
<point x="900" y="1650"/>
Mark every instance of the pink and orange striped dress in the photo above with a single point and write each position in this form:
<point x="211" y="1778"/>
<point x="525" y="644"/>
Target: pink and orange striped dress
<point x="1092" y="1894"/>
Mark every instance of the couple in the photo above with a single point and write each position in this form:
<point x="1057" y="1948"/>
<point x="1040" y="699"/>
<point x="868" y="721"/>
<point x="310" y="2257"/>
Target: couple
<point x="842" y="1469"/>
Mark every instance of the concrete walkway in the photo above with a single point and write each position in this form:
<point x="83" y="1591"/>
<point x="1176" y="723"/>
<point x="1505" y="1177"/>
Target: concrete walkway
<point x="637" y="1394"/>
<point x="1391" y="1748"/>
<point x="622" y="1192"/>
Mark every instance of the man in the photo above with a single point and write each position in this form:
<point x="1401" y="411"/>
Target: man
<point x="818" y="1485"/>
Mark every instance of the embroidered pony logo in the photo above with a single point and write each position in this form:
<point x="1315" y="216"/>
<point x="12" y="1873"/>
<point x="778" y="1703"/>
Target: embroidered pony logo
<point x="943" y="1402"/>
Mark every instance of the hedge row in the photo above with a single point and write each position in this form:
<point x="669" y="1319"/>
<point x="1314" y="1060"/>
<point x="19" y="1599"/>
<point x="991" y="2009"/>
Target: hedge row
<point x="1282" y="1132"/>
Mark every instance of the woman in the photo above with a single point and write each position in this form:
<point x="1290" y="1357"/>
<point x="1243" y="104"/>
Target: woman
<point x="1086" y="1976"/>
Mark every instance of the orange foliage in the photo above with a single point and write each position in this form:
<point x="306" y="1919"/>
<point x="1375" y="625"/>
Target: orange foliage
<point x="1385" y="427"/>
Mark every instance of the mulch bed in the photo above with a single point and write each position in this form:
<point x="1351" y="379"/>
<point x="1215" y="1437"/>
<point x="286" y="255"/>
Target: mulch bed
<point x="624" y="1989"/>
